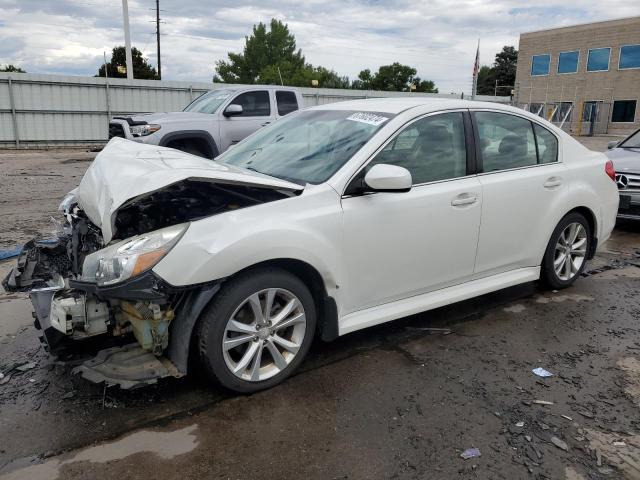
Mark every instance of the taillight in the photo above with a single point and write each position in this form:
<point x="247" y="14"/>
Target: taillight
<point x="609" y="170"/>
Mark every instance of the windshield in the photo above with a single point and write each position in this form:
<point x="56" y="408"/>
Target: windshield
<point x="209" y="102"/>
<point x="632" y="142"/>
<point x="306" y="147"/>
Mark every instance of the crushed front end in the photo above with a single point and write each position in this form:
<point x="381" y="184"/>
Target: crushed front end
<point x="87" y="296"/>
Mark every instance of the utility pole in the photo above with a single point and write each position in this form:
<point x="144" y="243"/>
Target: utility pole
<point x="158" y="38"/>
<point x="127" y="39"/>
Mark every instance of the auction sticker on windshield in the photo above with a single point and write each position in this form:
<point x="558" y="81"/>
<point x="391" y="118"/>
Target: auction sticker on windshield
<point x="369" y="118"/>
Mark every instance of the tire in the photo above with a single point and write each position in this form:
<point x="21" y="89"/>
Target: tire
<point x="231" y="318"/>
<point x="557" y="272"/>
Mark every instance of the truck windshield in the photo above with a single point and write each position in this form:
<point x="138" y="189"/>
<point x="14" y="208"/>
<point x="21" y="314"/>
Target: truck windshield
<point x="308" y="146"/>
<point x="209" y="102"/>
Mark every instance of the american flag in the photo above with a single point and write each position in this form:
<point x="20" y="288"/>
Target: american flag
<point x="476" y="65"/>
<point x="476" y="68"/>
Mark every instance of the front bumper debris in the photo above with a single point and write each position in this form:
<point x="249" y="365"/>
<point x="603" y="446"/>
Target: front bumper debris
<point x="129" y="367"/>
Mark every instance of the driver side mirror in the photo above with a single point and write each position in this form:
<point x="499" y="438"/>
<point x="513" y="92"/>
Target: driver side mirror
<point x="612" y="145"/>
<point x="388" y="178"/>
<point x="232" y="110"/>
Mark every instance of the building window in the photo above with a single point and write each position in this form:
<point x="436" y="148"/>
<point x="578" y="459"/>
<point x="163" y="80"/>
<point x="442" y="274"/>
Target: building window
<point x="540" y="64"/>
<point x="629" y="57"/>
<point x="568" y="62"/>
<point x="562" y="113"/>
<point x="598" y="60"/>
<point x="624" y="111"/>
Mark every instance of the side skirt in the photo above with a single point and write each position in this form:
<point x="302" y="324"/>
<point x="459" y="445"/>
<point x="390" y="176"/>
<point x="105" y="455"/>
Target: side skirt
<point x="428" y="301"/>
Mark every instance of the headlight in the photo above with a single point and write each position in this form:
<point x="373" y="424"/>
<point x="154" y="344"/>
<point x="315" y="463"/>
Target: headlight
<point x="143" y="130"/>
<point x="130" y="257"/>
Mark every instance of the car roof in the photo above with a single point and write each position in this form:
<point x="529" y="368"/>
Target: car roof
<point x="239" y="88"/>
<point x="397" y="105"/>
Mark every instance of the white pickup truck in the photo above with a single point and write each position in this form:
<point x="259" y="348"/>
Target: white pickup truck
<point x="212" y="122"/>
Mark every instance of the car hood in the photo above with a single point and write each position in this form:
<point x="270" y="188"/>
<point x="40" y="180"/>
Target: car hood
<point x="625" y="159"/>
<point x="168" y="117"/>
<point x="125" y="171"/>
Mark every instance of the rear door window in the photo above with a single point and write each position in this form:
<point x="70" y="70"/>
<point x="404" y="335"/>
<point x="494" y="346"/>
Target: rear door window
<point x="254" y="104"/>
<point x="287" y="102"/>
<point x="506" y="141"/>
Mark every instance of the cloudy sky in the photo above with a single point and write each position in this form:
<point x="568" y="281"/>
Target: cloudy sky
<point x="437" y="37"/>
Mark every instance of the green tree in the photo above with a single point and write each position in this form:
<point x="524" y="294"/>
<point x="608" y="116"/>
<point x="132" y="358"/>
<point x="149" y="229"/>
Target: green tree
<point x="11" y="68"/>
<point x="426" y="86"/>
<point x="141" y="68"/>
<point x="393" y="78"/>
<point x="505" y="68"/>
<point x="264" y="52"/>
<point x="486" y="80"/>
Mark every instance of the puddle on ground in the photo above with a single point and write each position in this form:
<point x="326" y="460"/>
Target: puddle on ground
<point x="165" y="445"/>
<point x="631" y="367"/>
<point x="563" y="297"/>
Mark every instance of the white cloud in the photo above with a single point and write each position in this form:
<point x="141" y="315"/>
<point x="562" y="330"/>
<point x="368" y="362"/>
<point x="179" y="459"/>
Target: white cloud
<point x="437" y="37"/>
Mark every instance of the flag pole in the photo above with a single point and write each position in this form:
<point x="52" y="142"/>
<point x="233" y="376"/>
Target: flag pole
<point x="476" y="69"/>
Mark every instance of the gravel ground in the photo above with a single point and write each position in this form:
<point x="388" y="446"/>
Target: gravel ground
<point x="395" y="401"/>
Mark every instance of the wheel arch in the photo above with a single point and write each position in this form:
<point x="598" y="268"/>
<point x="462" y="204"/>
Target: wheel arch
<point x="202" y="136"/>
<point x="327" y="321"/>
<point x="591" y="218"/>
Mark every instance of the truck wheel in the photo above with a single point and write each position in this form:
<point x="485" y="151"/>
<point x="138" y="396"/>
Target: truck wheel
<point x="257" y="330"/>
<point x="566" y="254"/>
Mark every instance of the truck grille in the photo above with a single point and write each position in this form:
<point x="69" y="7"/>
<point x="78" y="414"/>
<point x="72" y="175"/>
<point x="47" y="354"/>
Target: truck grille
<point x="116" y="130"/>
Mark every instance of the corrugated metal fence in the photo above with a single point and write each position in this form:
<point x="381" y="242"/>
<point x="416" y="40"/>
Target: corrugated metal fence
<point x="48" y="110"/>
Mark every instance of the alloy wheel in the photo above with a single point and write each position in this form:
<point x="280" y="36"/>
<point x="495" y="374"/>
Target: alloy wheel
<point x="570" y="251"/>
<point x="264" y="334"/>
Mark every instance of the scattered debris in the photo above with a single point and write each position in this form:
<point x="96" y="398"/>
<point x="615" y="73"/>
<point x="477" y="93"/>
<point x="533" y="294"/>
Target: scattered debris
<point x="542" y="402"/>
<point x="69" y="395"/>
<point x="559" y="443"/>
<point x="619" y="444"/>
<point x="586" y="414"/>
<point x="26" y="366"/>
<point x="541" y="372"/>
<point x="520" y="424"/>
<point x="5" y="379"/>
<point x="567" y="417"/>
<point x="471" y="453"/>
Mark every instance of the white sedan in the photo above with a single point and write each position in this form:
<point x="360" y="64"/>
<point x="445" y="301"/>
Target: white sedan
<point x="333" y="219"/>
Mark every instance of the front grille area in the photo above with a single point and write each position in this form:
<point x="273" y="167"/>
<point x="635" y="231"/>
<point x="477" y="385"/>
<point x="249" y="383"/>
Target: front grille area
<point x="627" y="181"/>
<point x="115" y="130"/>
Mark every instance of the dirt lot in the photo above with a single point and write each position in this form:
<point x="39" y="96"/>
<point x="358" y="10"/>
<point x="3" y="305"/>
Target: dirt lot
<point x="396" y="401"/>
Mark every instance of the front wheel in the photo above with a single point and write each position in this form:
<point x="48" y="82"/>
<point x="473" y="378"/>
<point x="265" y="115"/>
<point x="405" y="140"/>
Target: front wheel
<point x="257" y="330"/>
<point x="566" y="254"/>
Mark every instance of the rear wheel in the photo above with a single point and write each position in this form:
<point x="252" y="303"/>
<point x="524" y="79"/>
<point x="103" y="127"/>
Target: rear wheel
<point x="566" y="254"/>
<point x="257" y="331"/>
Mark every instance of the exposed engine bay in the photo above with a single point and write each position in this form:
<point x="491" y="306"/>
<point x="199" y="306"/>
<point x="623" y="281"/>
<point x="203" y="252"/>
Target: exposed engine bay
<point x="74" y="301"/>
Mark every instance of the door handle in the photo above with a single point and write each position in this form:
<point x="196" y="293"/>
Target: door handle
<point x="265" y="123"/>
<point x="552" y="182"/>
<point x="464" y="199"/>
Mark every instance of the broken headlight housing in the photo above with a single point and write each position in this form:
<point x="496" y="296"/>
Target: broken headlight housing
<point x="143" y="130"/>
<point x="131" y="257"/>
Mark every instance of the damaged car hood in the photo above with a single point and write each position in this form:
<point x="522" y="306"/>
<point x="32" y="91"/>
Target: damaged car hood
<point x="125" y="170"/>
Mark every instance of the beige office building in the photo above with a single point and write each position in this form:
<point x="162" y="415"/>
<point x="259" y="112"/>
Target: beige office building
<point x="584" y="78"/>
